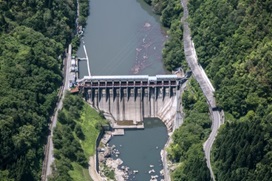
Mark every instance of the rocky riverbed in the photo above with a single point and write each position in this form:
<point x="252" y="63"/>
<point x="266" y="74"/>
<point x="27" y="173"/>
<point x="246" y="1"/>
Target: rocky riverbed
<point x="109" y="161"/>
<point x="121" y="173"/>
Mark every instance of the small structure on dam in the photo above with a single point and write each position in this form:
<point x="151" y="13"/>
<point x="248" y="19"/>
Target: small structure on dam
<point x="126" y="100"/>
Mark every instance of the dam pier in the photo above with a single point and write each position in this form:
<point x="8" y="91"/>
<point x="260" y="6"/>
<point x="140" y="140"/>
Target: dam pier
<point x="126" y="100"/>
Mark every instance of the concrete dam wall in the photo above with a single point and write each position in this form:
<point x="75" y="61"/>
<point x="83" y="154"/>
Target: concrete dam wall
<point x="126" y="100"/>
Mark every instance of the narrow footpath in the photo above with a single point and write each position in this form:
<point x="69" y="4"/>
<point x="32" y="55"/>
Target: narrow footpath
<point x="204" y="82"/>
<point x="92" y="171"/>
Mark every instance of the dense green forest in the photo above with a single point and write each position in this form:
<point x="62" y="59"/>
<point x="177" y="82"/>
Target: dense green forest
<point x="83" y="12"/>
<point x="74" y="139"/>
<point x="234" y="44"/>
<point x="67" y="136"/>
<point x="187" y="149"/>
<point x="33" y="35"/>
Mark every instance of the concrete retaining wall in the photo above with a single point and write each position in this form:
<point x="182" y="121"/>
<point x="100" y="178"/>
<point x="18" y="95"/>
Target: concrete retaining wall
<point x="133" y="104"/>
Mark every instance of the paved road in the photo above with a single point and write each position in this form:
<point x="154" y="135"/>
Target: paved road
<point x="59" y="106"/>
<point x="204" y="82"/>
<point x="209" y="142"/>
<point x="164" y="161"/>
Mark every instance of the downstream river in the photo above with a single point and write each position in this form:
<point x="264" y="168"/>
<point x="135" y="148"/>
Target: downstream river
<point x="140" y="149"/>
<point x="124" y="37"/>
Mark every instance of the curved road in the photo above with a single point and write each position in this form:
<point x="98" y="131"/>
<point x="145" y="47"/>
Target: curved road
<point x="209" y="142"/>
<point x="204" y="83"/>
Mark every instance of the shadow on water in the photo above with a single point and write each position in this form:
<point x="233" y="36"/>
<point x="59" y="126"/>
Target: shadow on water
<point x="148" y="9"/>
<point x="153" y="123"/>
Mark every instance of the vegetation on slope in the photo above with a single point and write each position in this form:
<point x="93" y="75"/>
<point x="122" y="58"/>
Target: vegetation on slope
<point x="74" y="139"/>
<point x="83" y="12"/>
<point x="234" y="42"/>
<point x="33" y="35"/>
<point x="53" y="19"/>
<point x="243" y="150"/>
<point x="30" y="75"/>
<point x="187" y="148"/>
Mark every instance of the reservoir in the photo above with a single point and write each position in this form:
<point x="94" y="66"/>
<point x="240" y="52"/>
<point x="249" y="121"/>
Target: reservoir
<point x="124" y="37"/>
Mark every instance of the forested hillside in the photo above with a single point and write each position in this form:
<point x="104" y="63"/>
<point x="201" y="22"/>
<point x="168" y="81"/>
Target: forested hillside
<point x="234" y="44"/>
<point x="33" y="35"/>
<point x="233" y="40"/>
<point x="187" y="150"/>
<point x="74" y="139"/>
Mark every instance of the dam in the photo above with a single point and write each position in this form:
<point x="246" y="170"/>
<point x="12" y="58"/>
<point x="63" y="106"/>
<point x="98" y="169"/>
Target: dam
<point x="126" y="99"/>
<point x="129" y="45"/>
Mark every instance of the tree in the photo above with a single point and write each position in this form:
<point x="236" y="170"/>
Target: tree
<point x="79" y="132"/>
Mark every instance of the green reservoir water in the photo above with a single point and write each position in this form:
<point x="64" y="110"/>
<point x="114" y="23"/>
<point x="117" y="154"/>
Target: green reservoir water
<point x="124" y="37"/>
